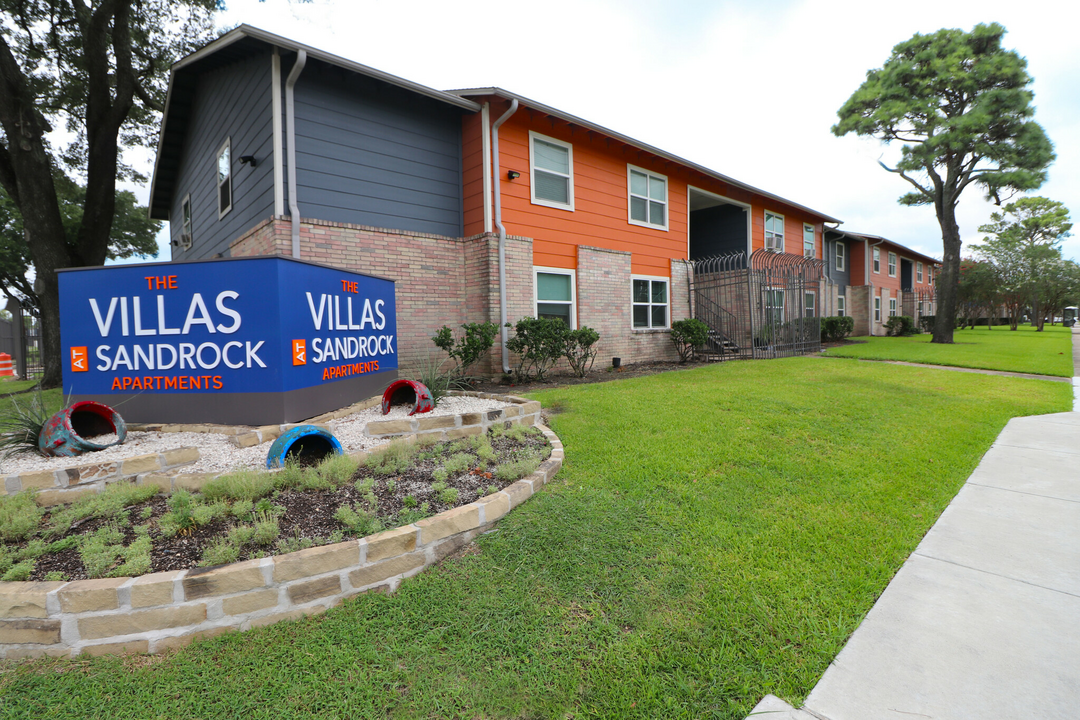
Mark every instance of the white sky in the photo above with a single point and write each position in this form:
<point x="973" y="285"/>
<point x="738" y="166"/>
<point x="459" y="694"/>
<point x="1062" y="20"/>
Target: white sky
<point x="747" y="89"/>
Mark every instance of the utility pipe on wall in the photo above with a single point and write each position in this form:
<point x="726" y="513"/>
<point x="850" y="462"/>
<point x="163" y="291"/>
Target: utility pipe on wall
<point x="290" y="138"/>
<point x="502" y="231"/>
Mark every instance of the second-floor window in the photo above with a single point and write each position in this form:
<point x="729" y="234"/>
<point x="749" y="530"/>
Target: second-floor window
<point x="648" y="198"/>
<point x="224" y="179"/>
<point x="808" y="241"/>
<point x="552" y="169"/>
<point x="918" y="272"/>
<point x="877" y="260"/>
<point x="774" y="232"/>
<point x="841" y="255"/>
<point x="892" y="264"/>
<point x="185" y="223"/>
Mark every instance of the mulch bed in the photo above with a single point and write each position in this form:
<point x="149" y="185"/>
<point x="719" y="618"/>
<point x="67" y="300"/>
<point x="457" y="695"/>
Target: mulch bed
<point x="307" y="514"/>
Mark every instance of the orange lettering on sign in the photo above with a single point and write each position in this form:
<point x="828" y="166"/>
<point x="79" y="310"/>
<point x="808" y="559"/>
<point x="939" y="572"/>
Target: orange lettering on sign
<point x="79" y="359"/>
<point x="116" y="384"/>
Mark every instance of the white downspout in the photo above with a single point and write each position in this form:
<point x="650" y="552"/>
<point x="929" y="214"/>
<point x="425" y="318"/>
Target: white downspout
<point x="485" y="143"/>
<point x="290" y="133"/>
<point x="502" y="231"/>
<point x="870" y="282"/>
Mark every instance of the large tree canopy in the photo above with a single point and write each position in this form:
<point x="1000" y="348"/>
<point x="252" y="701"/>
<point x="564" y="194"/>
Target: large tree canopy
<point x="97" y="69"/>
<point x="1024" y="242"/>
<point x="959" y="104"/>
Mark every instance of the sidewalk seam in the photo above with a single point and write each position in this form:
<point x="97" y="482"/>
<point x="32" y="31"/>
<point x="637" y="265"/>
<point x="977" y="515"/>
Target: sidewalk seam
<point x="994" y="574"/>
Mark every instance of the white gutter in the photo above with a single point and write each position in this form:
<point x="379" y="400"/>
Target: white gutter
<point x="485" y="142"/>
<point x="502" y="231"/>
<point x="275" y="104"/>
<point x="870" y="282"/>
<point x="290" y="132"/>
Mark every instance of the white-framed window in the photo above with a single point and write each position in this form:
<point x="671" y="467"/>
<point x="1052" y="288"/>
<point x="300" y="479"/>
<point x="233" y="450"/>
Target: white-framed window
<point x="929" y="275"/>
<point x="185" y="222"/>
<point x="841" y="305"/>
<point x="810" y="304"/>
<point x="841" y="255"/>
<point x="892" y="307"/>
<point x="892" y="264"/>
<point x="224" y="179"/>
<point x="648" y="194"/>
<point x="774" y="232"/>
<point x="774" y="307"/>
<point x="918" y="272"/>
<point x="650" y="301"/>
<point x="551" y="171"/>
<point x="919" y="311"/>
<point x="808" y="240"/>
<point x="877" y="260"/>
<point x="554" y="290"/>
<point x="877" y="309"/>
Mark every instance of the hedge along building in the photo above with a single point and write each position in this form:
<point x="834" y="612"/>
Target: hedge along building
<point x="871" y="279"/>
<point x="482" y="205"/>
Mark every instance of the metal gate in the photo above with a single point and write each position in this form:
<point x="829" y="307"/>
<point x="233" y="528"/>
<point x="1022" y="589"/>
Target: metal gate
<point x="766" y="310"/>
<point x="917" y="304"/>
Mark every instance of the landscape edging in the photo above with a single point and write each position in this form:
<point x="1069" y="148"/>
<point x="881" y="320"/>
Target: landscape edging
<point x="161" y="611"/>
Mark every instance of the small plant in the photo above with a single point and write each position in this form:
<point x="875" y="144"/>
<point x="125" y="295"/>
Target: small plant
<point x="205" y="514"/>
<point x="360" y="522"/>
<point x="266" y="529"/>
<point x="539" y="343"/>
<point x="687" y="335"/>
<point x="55" y="576"/>
<point x="146" y="512"/>
<point x="440" y="474"/>
<point x="448" y="495"/>
<point x="181" y="517"/>
<point x="19" y="515"/>
<point x="219" y="552"/>
<point x="409" y="501"/>
<point x="20" y="427"/>
<point x="580" y="350"/>
<point x="364" y="485"/>
<point x="474" y="343"/>
<point x="411" y="515"/>
<point x="241" y="485"/>
<point x="458" y="463"/>
<point x="508" y="472"/>
<point x="391" y="459"/>
<point x="19" y="572"/>
<point x="391" y="485"/>
<point x="241" y="509"/>
<point x="490" y="490"/>
<point x="294" y="543"/>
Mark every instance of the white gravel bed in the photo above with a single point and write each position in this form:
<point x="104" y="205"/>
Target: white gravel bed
<point x="218" y="454"/>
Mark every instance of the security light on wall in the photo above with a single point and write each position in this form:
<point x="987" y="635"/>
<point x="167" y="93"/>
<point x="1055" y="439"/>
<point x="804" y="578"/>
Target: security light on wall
<point x="247" y="160"/>
<point x="512" y="174"/>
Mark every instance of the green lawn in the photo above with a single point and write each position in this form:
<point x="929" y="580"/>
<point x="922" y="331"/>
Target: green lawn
<point x="8" y="385"/>
<point x="715" y="535"/>
<point x="1024" y="351"/>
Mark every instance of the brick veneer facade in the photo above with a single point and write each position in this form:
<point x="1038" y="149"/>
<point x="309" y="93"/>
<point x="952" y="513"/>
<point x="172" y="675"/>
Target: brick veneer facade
<point x="449" y="281"/>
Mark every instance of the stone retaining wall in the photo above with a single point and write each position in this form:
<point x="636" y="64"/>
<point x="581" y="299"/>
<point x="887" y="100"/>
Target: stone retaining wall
<point x="157" y="612"/>
<point x="68" y="485"/>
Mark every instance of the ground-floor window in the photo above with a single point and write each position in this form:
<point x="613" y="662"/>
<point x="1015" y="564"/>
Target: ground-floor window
<point x="892" y="307"/>
<point x="554" y="289"/>
<point x="774" y="307"/>
<point x="841" y="305"/>
<point x="650" y="302"/>
<point x="809" y="305"/>
<point x="877" y="309"/>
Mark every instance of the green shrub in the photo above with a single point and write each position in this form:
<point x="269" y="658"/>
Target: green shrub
<point x="411" y="514"/>
<point x="538" y="343"/>
<point x="836" y="328"/>
<point x="101" y="550"/>
<point x="337" y="469"/>
<point x="294" y="543"/>
<point x="240" y="535"/>
<point x="20" y="426"/>
<point x="108" y="504"/>
<point x="19" y="515"/>
<point x="409" y="501"/>
<point x="474" y="343"/>
<point x="55" y="576"/>
<point x="19" y="572"/>
<point x="241" y="509"/>
<point x="206" y="514"/>
<point x="900" y="326"/>
<point x="687" y="335"/>
<point x="448" y="496"/>
<point x="266" y="529"/>
<point x="580" y="350"/>
<point x="490" y="490"/>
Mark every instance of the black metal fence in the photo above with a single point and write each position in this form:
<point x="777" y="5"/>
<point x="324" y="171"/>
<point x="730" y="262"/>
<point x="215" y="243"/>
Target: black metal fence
<point x="917" y="304"/>
<point x="765" y="309"/>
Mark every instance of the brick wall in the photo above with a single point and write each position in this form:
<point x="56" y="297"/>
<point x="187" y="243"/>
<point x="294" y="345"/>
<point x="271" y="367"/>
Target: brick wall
<point x="858" y="306"/>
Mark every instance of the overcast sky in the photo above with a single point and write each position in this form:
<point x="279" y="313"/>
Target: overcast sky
<point x="749" y="89"/>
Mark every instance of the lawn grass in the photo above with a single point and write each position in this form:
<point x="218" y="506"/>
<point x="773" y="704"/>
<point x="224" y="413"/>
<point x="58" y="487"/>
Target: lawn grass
<point x="1024" y="351"/>
<point x="9" y="385"/>
<point x="715" y="535"/>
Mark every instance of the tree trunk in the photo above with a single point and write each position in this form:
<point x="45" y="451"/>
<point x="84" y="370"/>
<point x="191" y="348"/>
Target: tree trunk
<point x="945" y="321"/>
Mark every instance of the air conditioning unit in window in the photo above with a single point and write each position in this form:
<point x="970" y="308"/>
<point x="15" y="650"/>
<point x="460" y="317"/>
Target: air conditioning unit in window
<point x="183" y="242"/>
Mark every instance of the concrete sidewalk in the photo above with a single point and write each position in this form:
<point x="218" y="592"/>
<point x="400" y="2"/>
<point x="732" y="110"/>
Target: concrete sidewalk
<point x="983" y="620"/>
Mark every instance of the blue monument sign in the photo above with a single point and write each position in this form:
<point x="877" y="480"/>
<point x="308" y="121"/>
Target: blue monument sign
<point x="251" y="341"/>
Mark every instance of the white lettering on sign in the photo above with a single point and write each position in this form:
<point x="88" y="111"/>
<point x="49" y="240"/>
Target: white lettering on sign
<point x="330" y="307"/>
<point x="197" y="314"/>
<point x="323" y="349"/>
<point x="207" y="355"/>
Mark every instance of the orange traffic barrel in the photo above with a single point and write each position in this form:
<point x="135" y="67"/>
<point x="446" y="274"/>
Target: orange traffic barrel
<point x="5" y="365"/>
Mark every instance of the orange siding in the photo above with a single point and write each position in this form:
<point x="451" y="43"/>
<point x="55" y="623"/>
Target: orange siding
<point x="472" y="169"/>
<point x="601" y="198"/>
